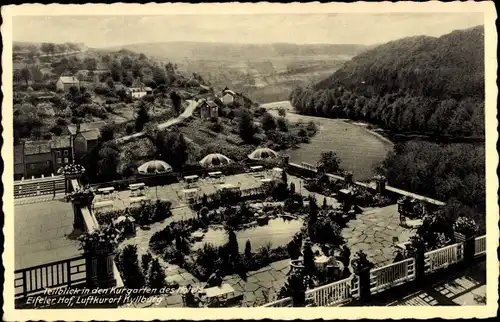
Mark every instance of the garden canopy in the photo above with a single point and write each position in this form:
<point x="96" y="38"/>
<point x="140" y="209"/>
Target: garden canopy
<point x="263" y="154"/>
<point x="155" y="167"/>
<point x="215" y="160"/>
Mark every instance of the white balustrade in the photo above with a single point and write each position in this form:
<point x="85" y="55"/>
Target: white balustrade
<point x="443" y="257"/>
<point x="392" y="275"/>
<point x="480" y="245"/>
<point x="332" y="294"/>
<point x="286" y="302"/>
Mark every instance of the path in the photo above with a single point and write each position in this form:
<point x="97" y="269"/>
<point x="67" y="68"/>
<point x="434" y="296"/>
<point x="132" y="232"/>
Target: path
<point x="188" y="112"/>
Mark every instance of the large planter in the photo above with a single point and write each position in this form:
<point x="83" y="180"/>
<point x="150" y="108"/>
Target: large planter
<point x="99" y="267"/>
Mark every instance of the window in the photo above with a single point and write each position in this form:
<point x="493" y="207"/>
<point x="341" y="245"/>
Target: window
<point x="59" y="160"/>
<point x="58" y="153"/>
<point x="66" y="160"/>
<point x="65" y="153"/>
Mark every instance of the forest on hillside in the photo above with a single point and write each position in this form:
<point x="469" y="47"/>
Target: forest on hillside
<point x="432" y="86"/>
<point x="424" y="85"/>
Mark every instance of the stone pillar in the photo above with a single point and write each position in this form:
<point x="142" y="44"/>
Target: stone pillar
<point x="99" y="268"/>
<point x="364" y="284"/>
<point x="285" y="160"/>
<point x="349" y="177"/>
<point x="381" y="182"/>
<point x="469" y="250"/>
<point x="420" y="265"/>
<point x="78" y="222"/>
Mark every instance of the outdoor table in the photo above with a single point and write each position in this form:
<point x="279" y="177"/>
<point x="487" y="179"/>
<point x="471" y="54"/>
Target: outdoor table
<point x="192" y="178"/>
<point x="257" y="168"/>
<point x="215" y="174"/>
<point x="103" y="204"/>
<point x="227" y="186"/>
<point x="219" y="291"/>
<point x="414" y="223"/>
<point x="136" y="186"/>
<point x="138" y="199"/>
<point x="190" y="193"/>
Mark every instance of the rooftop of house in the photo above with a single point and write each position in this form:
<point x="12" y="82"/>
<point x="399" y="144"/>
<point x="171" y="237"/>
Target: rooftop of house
<point x="91" y="135"/>
<point x="140" y="89"/>
<point x="37" y="147"/>
<point x="69" y="80"/>
<point x="61" y="142"/>
<point x="86" y="126"/>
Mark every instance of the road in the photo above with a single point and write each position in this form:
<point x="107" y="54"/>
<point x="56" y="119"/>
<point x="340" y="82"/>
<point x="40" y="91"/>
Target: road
<point x="188" y="112"/>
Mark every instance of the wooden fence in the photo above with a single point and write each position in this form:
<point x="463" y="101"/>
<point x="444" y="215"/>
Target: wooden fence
<point x="39" y="186"/>
<point x="64" y="273"/>
<point x="385" y="277"/>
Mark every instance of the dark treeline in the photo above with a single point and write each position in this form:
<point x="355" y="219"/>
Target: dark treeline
<point x="420" y="84"/>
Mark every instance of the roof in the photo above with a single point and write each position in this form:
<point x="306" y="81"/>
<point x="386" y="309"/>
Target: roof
<point x="37" y="147"/>
<point x="61" y="142"/>
<point x="91" y="135"/>
<point x="140" y="89"/>
<point x="69" y="80"/>
<point x="228" y="91"/>
<point x="86" y="126"/>
<point x="212" y="104"/>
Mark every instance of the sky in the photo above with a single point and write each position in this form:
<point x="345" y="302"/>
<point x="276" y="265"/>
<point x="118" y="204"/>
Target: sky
<point x="344" y="28"/>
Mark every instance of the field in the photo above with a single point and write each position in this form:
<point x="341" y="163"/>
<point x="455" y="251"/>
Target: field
<point x="359" y="149"/>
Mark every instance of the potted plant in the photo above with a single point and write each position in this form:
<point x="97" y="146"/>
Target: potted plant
<point x="82" y="196"/>
<point x="464" y="228"/>
<point x="71" y="171"/>
<point x="362" y="266"/>
<point x="100" y="241"/>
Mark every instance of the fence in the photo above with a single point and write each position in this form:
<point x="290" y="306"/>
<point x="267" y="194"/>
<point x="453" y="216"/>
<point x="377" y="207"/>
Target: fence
<point x="392" y="275"/>
<point x="39" y="186"/>
<point x="68" y="272"/>
<point x="480" y="245"/>
<point x="332" y="294"/>
<point x="386" y="277"/>
<point x="443" y="257"/>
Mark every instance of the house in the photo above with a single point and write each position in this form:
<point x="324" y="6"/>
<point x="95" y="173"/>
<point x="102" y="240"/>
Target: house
<point x="73" y="128"/>
<point x="140" y="91"/>
<point x="38" y="159"/>
<point x="66" y="82"/>
<point x="85" y="141"/>
<point x="19" y="161"/>
<point x="228" y="96"/>
<point x="62" y="152"/>
<point x="208" y="109"/>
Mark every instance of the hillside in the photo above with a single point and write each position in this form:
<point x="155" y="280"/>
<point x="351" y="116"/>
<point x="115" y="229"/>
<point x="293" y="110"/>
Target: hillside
<point x="421" y="84"/>
<point x="239" y="51"/>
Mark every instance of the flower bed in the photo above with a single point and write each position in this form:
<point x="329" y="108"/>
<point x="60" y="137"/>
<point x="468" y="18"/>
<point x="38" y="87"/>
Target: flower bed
<point x="103" y="239"/>
<point x="71" y="170"/>
<point x="146" y="213"/>
<point x="82" y="196"/>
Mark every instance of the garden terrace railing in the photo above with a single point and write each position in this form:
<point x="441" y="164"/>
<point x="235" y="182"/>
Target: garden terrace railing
<point x="39" y="186"/>
<point x="64" y="273"/>
<point x="332" y="294"/>
<point x="386" y="277"/>
<point x="392" y="275"/>
<point x="480" y="245"/>
<point x="286" y="302"/>
<point x="443" y="257"/>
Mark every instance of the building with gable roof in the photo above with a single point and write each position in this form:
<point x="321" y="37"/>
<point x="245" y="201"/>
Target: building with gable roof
<point x="66" y="82"/>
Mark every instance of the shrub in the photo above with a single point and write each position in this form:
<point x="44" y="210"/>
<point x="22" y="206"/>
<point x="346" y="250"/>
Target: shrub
<point x="156" y="276"/>
<point x="132" y="274"/>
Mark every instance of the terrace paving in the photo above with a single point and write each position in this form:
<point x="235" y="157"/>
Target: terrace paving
<point x="43" y="232"/>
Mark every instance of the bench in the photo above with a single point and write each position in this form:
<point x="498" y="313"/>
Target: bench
<point x="103" y="204"/>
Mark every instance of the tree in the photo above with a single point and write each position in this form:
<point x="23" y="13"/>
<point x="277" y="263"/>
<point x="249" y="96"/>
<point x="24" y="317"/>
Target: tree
<point x="268" y="122"/>
<point x="176" y="101"/>
<point x="232" y="244"/>
<point x="90" y="63"/>
<point x="155" y="277"/>
<point x="132" y="274"/>
<point x="172" y="148"/>
<point x="246" y="127"/>
<point x="142" y="117"/>
<point x="281" y="112"/>
<point x="248" y="249"/>
<point x="107" y="133"/>
<point x="282" y="124"/>
<point x="26" y="75"/>
<point x="329" y="162"/>
<point x="145" y="262"/>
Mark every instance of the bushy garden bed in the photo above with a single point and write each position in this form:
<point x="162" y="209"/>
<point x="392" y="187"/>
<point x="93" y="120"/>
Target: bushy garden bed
<point x="145" y="214"/>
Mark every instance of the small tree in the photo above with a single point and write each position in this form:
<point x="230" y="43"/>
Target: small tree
<point x="325" y="205"/>
<point x="145" y="262"/>
<point x="329" y="162"/>
<point x="132" y="274"/>
<point x="281" y="112"/>
<point x="156" y="276"/>
<point x="248" y="249"/>
<point x="232" y="244"/>
<point x="268" y="122"/>
<point x="142" y="118"/>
